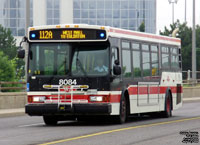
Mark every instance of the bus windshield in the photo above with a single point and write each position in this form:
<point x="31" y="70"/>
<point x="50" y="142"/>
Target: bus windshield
<point x="72" y="59"/>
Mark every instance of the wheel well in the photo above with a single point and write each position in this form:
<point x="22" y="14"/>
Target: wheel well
<point x="170" y="93"/>
<point x="126" y="95"/>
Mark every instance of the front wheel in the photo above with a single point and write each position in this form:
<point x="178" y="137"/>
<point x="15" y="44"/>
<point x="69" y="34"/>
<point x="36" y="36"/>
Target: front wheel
<point x="50" y="120"/>
<point x="123" y="111"/>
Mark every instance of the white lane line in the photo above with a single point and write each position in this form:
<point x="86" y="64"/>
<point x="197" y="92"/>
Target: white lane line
<point x="28" y="125"/>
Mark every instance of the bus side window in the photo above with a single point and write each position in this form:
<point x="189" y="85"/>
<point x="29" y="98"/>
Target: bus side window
<point x="114" y="56"/>
<point x="126" y="59"/>
<point x="165" y="57"/>
<point x="174" y="58"/>
<point x="154" y="60"/>
<point x="179" y="58"/>
<point x="146" y="60"/>
<point x="136" y="57"/>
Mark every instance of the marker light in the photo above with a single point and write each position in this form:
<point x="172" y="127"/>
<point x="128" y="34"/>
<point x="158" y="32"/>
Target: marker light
<point x="102" y="35"/>
<point x="33" y="35"/>
<point x="32" y="29"/>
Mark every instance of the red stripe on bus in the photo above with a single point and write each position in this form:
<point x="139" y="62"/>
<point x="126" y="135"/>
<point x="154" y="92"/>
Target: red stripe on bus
<point x="143" y="35"/>
<point x="115" y="98"/>
<point x="153" y="90"/>
<point x="67" y="98"/>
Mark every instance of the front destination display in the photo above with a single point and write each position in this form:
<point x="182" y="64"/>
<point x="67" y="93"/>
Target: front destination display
<point x="67" y="34"/>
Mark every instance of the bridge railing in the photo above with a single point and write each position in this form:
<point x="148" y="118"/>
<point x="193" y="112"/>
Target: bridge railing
<point x="6" y="86"/>
<point x="188" y="80"/>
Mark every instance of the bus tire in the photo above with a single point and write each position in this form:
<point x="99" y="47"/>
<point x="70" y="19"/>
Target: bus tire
<point x="121" y="118"/>
<point x="168" y="106"/>
<point x="50" y="120"/>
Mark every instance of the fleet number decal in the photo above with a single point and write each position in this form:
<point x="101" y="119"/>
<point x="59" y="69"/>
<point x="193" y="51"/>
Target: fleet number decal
<point x="67" y="82"/>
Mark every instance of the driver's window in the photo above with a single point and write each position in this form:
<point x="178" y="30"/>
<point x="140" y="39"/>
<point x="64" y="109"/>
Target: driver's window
<point x="114" y="56"/>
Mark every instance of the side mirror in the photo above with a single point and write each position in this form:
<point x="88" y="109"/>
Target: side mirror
<point x="21" y="53"/>
<point x="116" y="68"/>
<point x="116" y="62"/>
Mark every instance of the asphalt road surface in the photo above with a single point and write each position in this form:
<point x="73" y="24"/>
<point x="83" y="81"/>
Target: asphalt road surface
<point x="25" y="130"/>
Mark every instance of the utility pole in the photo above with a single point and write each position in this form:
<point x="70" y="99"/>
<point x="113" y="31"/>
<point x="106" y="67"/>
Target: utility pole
<point x="185" y="11"/>
<point x="27" y="17"/>
<point x="26" y="33"/>
<point x="173" y="2"/>
<point x="194" y="66"/>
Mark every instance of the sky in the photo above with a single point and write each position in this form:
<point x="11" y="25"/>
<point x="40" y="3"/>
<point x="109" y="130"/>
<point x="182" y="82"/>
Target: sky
<point x="164" y="13"/>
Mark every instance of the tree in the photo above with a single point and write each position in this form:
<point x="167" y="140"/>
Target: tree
<point x="185" y="34"/>
<point x="8" y="47"/>
<point x="142" y="27"/>
<point x="7" y="43"/>
<point x="7" y="69"/>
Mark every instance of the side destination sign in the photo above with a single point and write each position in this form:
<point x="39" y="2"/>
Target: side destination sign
<point x="67" y="34"/>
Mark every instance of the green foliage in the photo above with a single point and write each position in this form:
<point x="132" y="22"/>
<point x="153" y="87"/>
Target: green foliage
<point x="137" y="72"/>
<point x="19" y="66"/>
<point x="9" y="49"/>
<point x="142" y="27"/>
<point x="7" y="68"/>
<point x="8" y="72"/>
<point x="185" y="34"/>
<point x="7" y="43"/>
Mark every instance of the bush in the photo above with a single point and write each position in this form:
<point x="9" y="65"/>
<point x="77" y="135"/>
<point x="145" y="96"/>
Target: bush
<point x="7" y="70"/>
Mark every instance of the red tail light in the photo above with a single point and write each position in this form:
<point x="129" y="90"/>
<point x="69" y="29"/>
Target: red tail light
<point x="30" y="99"/>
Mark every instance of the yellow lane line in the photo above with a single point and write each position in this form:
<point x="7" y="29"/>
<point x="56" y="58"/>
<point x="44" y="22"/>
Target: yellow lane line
<point x="117" y="130"/>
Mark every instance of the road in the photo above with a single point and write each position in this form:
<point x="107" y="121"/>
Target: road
<point x="25" y="130"/>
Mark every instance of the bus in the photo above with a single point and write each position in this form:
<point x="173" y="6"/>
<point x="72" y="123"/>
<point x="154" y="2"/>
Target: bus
<point x="75" y="71"/>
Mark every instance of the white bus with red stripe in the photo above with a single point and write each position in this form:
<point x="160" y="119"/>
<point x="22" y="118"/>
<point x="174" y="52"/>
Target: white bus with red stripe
<point x="76" y="71"/>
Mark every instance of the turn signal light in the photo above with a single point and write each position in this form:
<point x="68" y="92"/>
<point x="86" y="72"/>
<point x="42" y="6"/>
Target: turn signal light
<point x="30" y="99"/>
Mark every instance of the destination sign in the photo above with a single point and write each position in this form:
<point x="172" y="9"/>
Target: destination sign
<point x="67" y="34"/>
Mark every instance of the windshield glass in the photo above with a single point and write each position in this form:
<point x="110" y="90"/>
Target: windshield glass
<point x="90" y="60"/>
<point x="49" y="59"/>
<point x="71" y="59"/>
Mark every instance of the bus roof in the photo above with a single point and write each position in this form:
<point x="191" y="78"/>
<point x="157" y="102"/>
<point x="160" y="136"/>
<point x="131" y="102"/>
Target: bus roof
<point x="118" y="33"/>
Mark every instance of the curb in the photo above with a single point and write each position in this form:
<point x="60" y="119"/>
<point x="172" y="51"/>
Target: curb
<point x="12" y="112"/>
<point x="191" y="99"/>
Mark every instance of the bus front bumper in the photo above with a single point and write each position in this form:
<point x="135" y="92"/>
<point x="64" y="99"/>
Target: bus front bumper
<point x="66" y="109"/>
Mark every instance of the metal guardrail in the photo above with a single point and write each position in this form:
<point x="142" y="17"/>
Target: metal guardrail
<point x="187" y="78"/>
<point x="12" y="88"/>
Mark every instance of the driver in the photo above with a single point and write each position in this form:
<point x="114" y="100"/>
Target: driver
<point x="100" y="67"/>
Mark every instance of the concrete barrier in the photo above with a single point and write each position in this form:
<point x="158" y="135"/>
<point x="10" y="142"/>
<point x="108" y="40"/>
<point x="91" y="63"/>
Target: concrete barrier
<point x="12" y="100"/>
<point x="18" y="100"/>
<point x="191" y="92"/>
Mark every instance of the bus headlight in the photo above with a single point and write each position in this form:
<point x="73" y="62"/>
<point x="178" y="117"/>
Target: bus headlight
<point x="96" y="98"/>
<point x="39" y="99"/>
